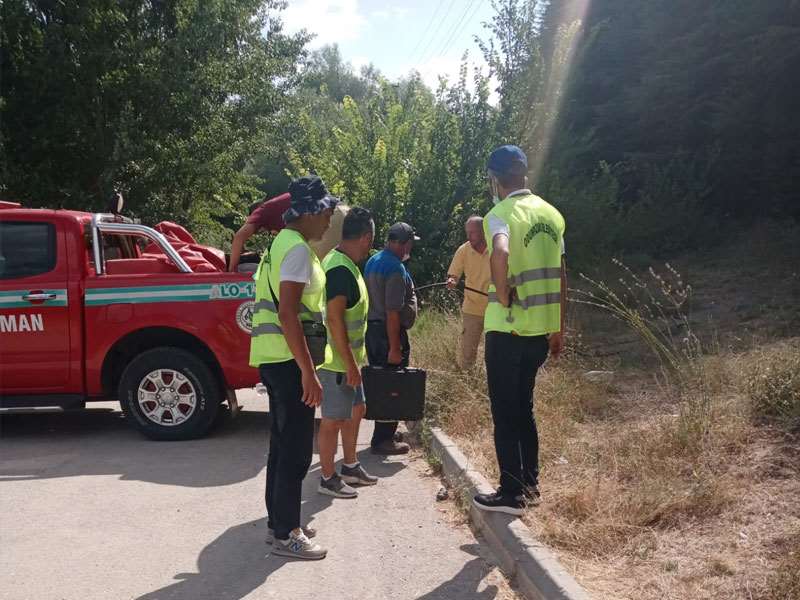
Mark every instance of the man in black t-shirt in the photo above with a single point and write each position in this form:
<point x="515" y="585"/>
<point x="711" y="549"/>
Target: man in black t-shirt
<point x="342" y="391"/>
<point x="340" y="282"/>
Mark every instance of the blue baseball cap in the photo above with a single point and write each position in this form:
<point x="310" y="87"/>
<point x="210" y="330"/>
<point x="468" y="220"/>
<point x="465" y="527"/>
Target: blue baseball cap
<point x="309" y="196"/>
<point x="508" y="160"/>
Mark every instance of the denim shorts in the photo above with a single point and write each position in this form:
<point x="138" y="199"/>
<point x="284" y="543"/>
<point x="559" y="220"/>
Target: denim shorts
<point x="338" y="398"/>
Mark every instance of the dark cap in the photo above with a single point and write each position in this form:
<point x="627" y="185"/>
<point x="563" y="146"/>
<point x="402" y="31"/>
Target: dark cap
<point x="508" y="160"/>
<point x="402" y="232"/>
<point x="308" y="197"/>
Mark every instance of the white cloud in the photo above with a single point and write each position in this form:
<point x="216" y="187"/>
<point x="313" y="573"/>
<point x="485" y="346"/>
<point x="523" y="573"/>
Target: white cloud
<point x="332" y="21"/>
<point x="390" y="12"/>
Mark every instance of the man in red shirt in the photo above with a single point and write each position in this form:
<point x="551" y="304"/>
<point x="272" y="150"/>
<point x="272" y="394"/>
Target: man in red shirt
<point x="268" y="216"/>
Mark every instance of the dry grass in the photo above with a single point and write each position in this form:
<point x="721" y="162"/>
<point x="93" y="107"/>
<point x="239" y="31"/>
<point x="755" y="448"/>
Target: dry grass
<point x="651" y="489"/>
<point x="771" y="377"/>
<point x="784" y="584"/>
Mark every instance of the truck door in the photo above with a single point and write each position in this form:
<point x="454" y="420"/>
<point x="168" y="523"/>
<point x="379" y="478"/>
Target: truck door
<point x="34" y="312"/>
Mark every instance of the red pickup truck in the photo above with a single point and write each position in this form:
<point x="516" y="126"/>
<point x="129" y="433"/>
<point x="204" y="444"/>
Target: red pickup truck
<point x="86" y="314"/>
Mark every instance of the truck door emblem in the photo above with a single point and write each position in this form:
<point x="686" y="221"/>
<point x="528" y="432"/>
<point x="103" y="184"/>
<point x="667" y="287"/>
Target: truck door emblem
<point x="244" y="316"/>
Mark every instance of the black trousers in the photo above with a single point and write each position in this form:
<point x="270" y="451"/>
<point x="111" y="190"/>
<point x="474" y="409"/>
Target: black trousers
<point x="377" y="341"/>
<point x="291" y="445"/>
<point x="511" y="365"/>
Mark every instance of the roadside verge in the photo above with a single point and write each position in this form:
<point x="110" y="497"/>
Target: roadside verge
<point x="534" y="569"/>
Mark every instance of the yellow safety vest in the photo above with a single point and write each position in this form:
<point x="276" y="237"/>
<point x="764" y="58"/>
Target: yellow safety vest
<point x="267" y="343"/>
<point x="536" y="232"/>
<point x="355" y="318"/>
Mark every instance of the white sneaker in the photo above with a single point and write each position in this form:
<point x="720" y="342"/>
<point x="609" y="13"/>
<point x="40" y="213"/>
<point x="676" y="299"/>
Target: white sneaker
<point x="309" y="531"/>
<point x="300" y="547"/>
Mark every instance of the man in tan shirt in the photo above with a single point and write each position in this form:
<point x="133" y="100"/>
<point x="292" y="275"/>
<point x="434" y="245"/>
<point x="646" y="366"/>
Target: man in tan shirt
<point x="471" y="260"/>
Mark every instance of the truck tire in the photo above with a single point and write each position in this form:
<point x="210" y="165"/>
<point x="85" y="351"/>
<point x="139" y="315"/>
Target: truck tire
<point x="169" y="394"/>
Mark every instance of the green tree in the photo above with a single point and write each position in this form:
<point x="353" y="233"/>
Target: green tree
<point x="709" y="84"/>
<point x="165" y="100"/>
<point x="407" y="154"/>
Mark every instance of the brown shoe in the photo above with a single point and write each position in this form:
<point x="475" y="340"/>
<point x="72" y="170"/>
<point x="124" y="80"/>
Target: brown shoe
<point x="390" y="448"/>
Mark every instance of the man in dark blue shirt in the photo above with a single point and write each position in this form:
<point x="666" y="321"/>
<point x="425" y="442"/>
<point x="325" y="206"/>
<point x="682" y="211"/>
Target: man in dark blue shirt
<point x="392" y="312"/>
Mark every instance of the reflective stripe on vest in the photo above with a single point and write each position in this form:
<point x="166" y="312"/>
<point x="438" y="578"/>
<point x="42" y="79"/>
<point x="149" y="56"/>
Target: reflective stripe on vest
<point x="266" y="328"/>
<point x="306" y="314"/>
<point x="536" y="231"/>
<point x="267" y="343"/>
<point x="529" y="301"/>
<point x="355" y="318"/>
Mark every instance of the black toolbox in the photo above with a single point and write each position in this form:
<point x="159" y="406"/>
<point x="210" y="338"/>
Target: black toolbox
<point x="394" y="394"/>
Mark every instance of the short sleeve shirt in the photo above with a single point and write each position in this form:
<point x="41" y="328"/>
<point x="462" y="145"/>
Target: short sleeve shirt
<point x="340" y="282"/>
<point x="390" y="289"/>
<point x="269" y="215"/>
<point x="296" y="265"/>
<point x="477" y="274"/>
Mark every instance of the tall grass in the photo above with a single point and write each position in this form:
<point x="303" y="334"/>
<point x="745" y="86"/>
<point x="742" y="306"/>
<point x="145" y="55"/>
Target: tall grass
<point x="613" y="473"/>
<point x="657" y="453"/>
<point x="656" y="307"/>
<point x="609" y="480"/>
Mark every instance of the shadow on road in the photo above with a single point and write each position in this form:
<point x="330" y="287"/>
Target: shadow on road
<point x="230" y="568"/>
<point x="314" y="502"/>
<point x="100" y="442"/>
<point x="466" y="582"/>
<point x="239" y="561"/>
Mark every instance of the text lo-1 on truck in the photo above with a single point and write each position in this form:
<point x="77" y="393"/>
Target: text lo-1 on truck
<point x="87" y="313"/>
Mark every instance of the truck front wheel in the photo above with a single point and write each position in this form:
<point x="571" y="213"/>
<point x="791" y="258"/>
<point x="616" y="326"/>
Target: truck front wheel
<point x="169" y="394"/>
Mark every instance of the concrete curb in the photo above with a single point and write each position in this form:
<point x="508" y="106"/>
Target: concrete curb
<point x="535" y="570"/>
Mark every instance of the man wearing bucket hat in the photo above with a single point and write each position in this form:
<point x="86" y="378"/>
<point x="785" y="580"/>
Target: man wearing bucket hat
<point x="290" y="290"/>
<point x="392" y="312"/>
<point x="524" y="321"/>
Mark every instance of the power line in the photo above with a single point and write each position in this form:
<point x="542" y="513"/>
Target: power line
<point x="428" y="28"/>
<point x="438" y="27"/>
<point x="457" y="31"/>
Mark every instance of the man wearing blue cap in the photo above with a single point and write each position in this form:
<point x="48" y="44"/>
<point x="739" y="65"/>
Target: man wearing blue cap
<point x="524" y="321"/>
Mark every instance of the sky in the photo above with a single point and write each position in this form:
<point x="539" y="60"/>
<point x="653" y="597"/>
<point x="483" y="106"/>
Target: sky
<point x="396" y="35"/>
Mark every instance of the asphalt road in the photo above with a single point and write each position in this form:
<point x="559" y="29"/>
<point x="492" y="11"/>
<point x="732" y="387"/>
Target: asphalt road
<point x="89" y="509"/>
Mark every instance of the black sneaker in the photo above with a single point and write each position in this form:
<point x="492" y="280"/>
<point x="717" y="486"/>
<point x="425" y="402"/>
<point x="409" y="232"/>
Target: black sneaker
<point x="357" y="476"/>
<point x="499" y="502"/>
<point x="391" y="448"/>
<point x="529" y="491"/>
<point x="532" y="494"/>
<point x="336" y="487"/>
